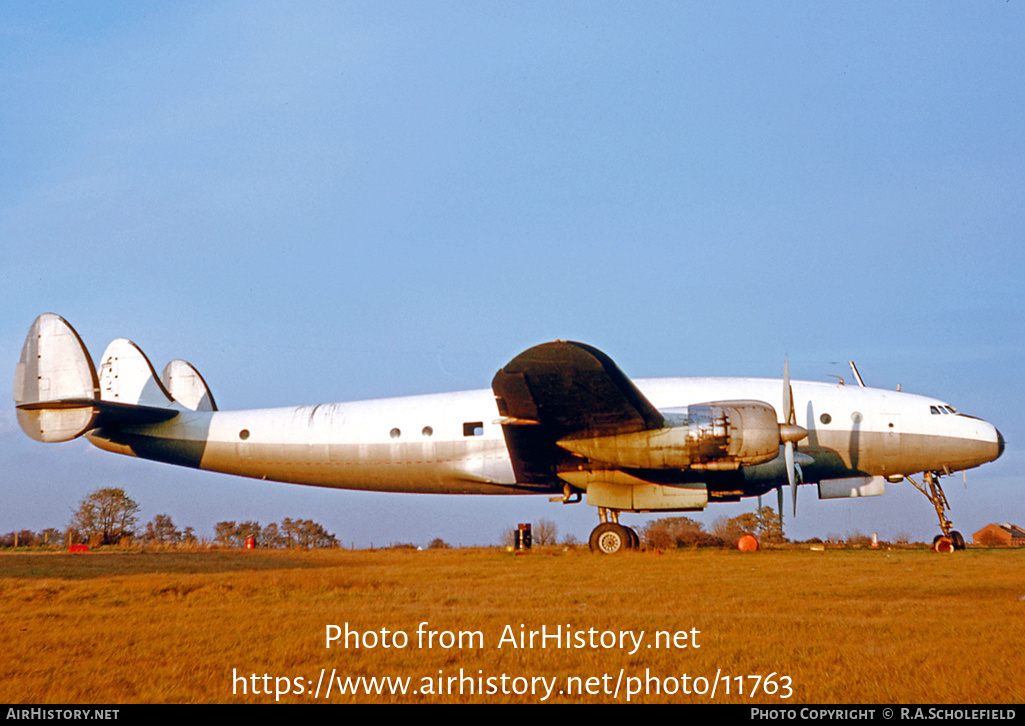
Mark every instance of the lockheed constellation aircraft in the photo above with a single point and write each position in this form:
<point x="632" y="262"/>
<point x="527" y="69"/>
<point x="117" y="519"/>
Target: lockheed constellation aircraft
<point x="560" y="419"/>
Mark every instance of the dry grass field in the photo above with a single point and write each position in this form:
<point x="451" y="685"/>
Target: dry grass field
<point x="832" y="627"/>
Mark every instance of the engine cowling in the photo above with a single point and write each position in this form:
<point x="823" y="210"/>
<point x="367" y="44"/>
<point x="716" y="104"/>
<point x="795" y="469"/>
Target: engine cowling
<point x="722" y="435"/>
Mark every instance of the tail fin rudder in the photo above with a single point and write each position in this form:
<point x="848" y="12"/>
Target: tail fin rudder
<point x="187" y="387"/>
<point x="55" y="382"/>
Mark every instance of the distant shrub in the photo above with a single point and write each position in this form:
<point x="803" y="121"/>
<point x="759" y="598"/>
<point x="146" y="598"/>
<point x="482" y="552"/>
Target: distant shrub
<point x="678" y="532"/>
<point x="858" y="539"/>
<point x="700" y="539"/>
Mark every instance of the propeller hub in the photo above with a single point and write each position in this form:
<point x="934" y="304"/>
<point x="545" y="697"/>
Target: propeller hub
<point x="792" y="433"/>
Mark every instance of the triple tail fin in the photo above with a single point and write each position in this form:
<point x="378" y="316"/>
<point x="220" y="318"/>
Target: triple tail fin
<point x="60" y="397"/>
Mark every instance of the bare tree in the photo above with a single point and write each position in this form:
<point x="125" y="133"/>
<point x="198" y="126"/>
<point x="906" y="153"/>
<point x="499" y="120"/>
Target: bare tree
<point x="770" y="525"/>
<point x="545" y="532"/>
<point x="225" y="533"/>
<point x="106" y="515"/>
<point x="733" y="528"/>
<point x="271" y="537"/>
<point x="161" y="530"/>
<point x="300" y="533"/>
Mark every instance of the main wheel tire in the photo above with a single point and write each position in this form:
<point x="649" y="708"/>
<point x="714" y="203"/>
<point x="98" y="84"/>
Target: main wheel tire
<point x="957" y="539"/>
<point x="609" y="539"/>
<point x="943" y="544"/>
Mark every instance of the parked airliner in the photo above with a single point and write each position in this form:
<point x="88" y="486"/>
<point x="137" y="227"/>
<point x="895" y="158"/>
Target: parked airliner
<point x="560" y="419"/>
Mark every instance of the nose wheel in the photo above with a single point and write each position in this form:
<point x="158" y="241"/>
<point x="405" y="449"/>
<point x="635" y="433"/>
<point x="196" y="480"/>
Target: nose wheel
<point x="951" y="540"/>
<point x="610" y="537"/>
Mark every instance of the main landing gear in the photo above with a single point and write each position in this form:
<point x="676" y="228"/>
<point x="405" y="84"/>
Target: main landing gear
<point x="610" y="537"/>
<point x="951" y="540"/>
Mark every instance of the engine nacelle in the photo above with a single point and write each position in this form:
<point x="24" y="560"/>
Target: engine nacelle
<point x="723" y="435"/>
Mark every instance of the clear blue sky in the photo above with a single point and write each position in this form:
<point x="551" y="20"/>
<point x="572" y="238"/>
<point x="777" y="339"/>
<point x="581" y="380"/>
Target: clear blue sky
<point x="334" y="201"/>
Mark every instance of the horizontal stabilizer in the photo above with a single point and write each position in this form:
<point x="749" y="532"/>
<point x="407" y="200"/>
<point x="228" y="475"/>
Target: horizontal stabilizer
<point x="187" y="387"/>
<point x="107" y="413"/>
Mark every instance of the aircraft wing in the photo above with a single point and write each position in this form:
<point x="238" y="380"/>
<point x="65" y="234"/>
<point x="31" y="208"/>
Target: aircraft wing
<point x="572" y="388"/>
<point x="564" y="390"/>
<point x="568" y="397"/>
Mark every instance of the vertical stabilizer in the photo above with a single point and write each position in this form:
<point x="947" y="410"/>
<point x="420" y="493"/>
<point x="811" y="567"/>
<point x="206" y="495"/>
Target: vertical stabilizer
<point x="187" y="387"/>
<point x="127" y="376"/>
<point x="55" y="382"/>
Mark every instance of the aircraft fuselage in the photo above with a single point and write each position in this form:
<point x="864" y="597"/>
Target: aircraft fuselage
<point x="453" y="443"/>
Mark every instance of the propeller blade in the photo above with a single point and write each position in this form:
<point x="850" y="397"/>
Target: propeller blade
<point x="788" y="395"/>
<point x="789" y="433"/>
<point x="788" y="452"/>
<point x="787" y="399"/>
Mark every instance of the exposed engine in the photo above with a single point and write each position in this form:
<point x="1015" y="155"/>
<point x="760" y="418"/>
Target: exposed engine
<point x="717" y="436"/>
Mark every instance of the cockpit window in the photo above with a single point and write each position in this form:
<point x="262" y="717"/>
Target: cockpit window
<point x="933" y="410"/>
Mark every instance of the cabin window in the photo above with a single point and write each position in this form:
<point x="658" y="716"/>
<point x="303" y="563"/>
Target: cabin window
<point x="395" y="433"/>
<point x="856" y="417"/>
<point x="473" y="428"/>
<point x="428" y="431"/>
<point x="825" y="418"/>
<point x="243" y="434"/>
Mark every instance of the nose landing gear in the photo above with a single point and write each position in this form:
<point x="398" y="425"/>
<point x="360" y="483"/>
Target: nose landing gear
<point x="610" y="537"/>
<point x="951" y="540"/>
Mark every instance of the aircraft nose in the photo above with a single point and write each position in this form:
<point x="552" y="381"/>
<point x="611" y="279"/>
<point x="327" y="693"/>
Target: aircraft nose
<point x="984" y="444"/>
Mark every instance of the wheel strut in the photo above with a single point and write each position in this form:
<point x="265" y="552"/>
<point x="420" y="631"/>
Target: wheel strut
<point x="951" y="540"/>
<point x="936" y="496"/>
